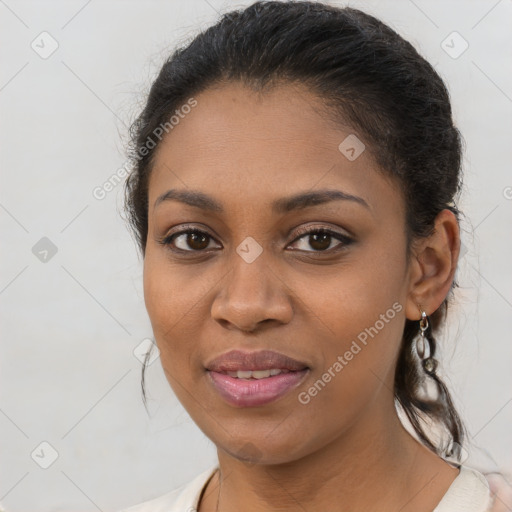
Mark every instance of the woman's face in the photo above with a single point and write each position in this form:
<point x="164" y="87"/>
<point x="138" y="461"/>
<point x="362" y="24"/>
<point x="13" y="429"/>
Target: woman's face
<point x="253" y="281"/>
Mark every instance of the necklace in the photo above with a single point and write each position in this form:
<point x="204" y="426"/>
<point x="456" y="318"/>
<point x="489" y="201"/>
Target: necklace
<point x="218" y="495"/>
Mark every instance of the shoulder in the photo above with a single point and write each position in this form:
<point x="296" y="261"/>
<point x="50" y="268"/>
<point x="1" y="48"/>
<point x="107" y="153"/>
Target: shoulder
<point x="183" y="499"/>
<point x="469" y="492"/>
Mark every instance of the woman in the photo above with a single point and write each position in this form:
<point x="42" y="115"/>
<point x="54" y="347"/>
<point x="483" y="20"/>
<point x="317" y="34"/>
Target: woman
<point x="295" y="171"/>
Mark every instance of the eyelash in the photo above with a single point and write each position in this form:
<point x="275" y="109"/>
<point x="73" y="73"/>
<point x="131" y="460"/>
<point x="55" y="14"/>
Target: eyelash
<point x="345" y="240"/>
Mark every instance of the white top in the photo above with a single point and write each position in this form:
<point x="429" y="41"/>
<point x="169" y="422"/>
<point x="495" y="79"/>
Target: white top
<point x="469" y="492"/>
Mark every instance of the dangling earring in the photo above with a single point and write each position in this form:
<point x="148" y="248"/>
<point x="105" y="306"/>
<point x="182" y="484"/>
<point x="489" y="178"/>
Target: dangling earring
<point x="423" y="347"/>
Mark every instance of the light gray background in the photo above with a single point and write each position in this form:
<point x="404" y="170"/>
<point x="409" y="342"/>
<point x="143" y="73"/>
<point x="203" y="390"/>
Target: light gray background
<point x="68" y="374"/>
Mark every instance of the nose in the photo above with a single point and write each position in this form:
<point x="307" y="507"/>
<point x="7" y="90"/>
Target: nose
<point x="252" y="295"/>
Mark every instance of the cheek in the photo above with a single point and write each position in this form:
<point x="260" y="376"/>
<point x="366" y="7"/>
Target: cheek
<point x="176" y="300"/>
<point x="168" y="293"/>
<point x="157" y="295"/>
<point x="359" y="335"/>
<point x="364" y="292"/>
<point x="163" y="298"/>
<point x="357" y="365"/>
<point x="167" y="309"/>
<point x="360" y="314"/>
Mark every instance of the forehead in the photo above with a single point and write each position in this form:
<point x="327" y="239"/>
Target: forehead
<point x="264" y="146"/>
<point x="288" y="119"/>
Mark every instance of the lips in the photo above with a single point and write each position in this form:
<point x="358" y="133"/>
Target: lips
<point x="237" y="360"/>
<point x="251" y="379"/>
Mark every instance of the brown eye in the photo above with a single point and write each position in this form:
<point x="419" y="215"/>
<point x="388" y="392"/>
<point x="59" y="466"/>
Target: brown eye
<point x="321" y="239"/>
<point x="191" y="240"/>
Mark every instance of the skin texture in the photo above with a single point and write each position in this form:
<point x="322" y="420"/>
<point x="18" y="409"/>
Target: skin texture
<point x="246" y="150"/>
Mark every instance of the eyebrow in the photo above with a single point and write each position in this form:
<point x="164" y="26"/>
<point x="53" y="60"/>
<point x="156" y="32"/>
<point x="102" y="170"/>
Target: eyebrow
<point x="299" y="201"/>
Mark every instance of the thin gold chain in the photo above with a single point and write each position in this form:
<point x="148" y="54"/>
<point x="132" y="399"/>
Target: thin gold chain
<point x="218" y="495"/>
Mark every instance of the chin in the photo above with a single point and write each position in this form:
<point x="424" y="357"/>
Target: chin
<point x="261" y="450"/>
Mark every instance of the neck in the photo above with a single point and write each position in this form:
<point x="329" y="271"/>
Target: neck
<point x="373" y="466"/>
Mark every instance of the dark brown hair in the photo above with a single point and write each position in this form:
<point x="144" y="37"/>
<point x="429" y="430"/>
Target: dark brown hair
<point x="367" y="75"/>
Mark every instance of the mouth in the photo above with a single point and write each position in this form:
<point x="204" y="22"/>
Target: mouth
<point x="255" y="374"/>
<point x="252" y="391"/>
<point x="254" y="379"/>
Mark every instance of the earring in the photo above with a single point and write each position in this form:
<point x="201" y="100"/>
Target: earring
<point x="423" y="347"/>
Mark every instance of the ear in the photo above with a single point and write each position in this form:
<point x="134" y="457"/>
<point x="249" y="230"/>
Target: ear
<point x="432" y="266"/>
